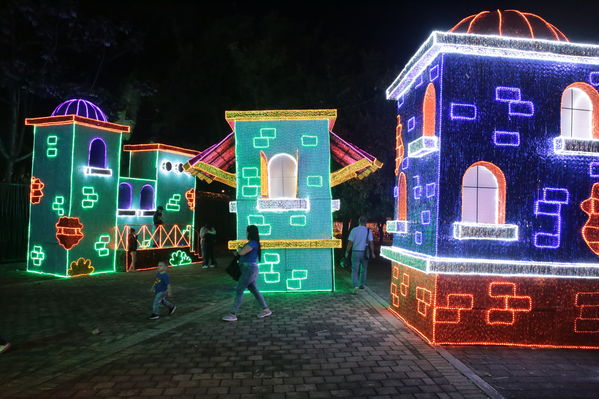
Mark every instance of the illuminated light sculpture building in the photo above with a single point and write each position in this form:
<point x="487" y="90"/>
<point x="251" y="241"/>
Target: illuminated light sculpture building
<point x="496" y="218"/>
<point x="283" y="186"/>
<point x="82" y="203"/>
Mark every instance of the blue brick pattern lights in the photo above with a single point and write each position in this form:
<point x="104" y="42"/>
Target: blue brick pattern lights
<point x="465" y="112"/>
<point x="475" y="250"/>
<point x="506" y="139"/>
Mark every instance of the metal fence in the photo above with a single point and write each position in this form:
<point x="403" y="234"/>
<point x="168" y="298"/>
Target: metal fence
<point x="14" y="214"/>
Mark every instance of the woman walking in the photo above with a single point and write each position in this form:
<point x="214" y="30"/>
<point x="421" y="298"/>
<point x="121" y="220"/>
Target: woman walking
<point x="250" y="255"/>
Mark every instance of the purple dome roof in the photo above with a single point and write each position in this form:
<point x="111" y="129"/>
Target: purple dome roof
<point x="80" y="107"/>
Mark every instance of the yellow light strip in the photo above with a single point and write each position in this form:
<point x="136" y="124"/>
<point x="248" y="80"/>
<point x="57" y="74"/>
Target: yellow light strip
<point x="289" y="114"/>
<point x="219" y="175"/>
<point x="350" y="171"/>
<point x="263" y="174"/>
<point x="291" y="244"/>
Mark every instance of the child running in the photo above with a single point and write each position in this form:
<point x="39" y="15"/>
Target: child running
<point x="162" y="290"/>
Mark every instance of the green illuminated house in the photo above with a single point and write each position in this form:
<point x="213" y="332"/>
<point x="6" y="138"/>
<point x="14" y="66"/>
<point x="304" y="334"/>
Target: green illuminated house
<point x="83" y="204"/>
<point x="283" y="186"/>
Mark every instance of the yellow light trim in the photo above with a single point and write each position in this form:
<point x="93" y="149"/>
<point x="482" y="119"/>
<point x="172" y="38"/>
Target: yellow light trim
<point x="291" y="244"/>
<point x="281" y="115"/>
<point x="263" y="174"/>
<point x="354" y="170"/>
<point x="218" y="174"/>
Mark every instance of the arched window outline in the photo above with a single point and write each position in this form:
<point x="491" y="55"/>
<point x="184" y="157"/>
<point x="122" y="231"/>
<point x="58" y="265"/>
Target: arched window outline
<point x="125" y="196"/>
<point x="589" y="109"/>
<point x="146" y="197"/>
<point x="429" y="111"/>
<point x="282" y="176"/>
<point x="402" y="197"/>
<point x="399" y="146"/>
<point x="499" y="197"/>
<point x="96" y="157"/>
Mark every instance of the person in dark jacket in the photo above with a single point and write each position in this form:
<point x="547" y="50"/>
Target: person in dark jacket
<point x="158" y="221"/>
<point x="132" y="248"/>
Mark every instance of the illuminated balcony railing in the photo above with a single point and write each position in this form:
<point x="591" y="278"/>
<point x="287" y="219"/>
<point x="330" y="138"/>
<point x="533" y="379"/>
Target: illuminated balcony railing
<point x="154" y="237"/>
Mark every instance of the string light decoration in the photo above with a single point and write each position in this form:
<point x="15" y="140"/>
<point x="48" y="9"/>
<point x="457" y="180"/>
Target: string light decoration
<point x="36" y="191"/>
<point x="80" y="267"/>
<point x="69" y="231"/>
<point x="77" y="162"/>
<point x="283" y="186"/>
<point x="501" y="211"/>
<point x="190" y="197"/>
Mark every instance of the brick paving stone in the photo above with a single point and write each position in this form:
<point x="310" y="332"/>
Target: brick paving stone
<point x="315" y="345"/>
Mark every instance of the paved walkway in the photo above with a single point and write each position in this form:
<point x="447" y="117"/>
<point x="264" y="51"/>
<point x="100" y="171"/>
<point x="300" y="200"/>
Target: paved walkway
<point x="88" y="337"/>
<point x="517" y="372"/>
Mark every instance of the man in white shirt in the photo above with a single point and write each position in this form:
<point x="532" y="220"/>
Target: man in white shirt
<point x="360" y="245"/>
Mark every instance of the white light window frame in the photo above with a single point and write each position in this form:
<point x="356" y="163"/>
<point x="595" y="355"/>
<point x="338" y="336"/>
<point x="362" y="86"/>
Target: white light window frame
<point x="485" y="192"/>
<point x="576" y="114"/>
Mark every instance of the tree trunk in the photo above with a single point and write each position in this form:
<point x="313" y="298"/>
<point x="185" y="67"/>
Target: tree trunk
<point x="10" y="149"/>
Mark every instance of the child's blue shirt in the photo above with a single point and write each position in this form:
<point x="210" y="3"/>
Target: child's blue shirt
<point x="162" y="282"/>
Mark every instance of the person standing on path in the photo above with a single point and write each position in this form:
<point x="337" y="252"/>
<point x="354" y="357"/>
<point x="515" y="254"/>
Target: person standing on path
<point x="361" y="247"/>
<point x="132" y="248"/>
<point x="250" y="254"/>
<point x="158" y="221"/>
<point x="162" y="290"/>
<point x="207" y="238"/>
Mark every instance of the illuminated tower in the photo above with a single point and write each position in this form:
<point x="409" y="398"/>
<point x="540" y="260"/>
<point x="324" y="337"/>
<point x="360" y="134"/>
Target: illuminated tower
<point x="75" y="168"/>
<point x="282" y="162"/>
<point x="496" y="227"/>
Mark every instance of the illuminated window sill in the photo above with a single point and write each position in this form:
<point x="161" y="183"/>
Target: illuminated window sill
<point x="483" y="231"/>
<point x="134" y="212"/>
<point x="397" y="226"/>
<point x="283" y="204"/>
<point x="91" y="171"/>
<point x="422" y="146"/>
<point x="575" y="146"/>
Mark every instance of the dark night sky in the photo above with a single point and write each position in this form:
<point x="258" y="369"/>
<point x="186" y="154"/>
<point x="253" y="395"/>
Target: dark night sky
<point x="200" y="60"/>
<point x="391" y="30"/>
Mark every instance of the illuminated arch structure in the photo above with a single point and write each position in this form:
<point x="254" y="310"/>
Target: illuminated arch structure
<point x="283" y="179"/>
<point x="83" y="202"/>
<point x="499" y="244"/>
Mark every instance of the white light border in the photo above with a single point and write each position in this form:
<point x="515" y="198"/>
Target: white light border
<point x="491" y="46"/>
<point x="497" y="267"/>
